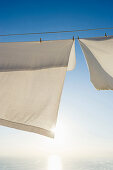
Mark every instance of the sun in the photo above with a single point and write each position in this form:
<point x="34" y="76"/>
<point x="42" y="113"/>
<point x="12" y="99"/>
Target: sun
<point x="59" y="135"/>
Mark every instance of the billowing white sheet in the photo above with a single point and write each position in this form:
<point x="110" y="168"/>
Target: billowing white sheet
<point x="99" y="55"/>
<point x="31" y="81"/>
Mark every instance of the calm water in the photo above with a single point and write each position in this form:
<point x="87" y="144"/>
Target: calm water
<point x="54" y="163"/>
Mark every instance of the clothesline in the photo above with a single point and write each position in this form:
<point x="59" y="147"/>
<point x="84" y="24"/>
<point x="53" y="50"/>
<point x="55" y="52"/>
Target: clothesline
<point x="56" y="32"/>
<point x="74" y="38"/>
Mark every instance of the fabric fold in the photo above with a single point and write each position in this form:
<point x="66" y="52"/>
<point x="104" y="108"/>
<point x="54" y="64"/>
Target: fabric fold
<point x="31" y="80"/>
<point x="99" y="56"/>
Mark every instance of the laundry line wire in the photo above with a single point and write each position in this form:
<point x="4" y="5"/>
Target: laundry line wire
<point x="56" y="32"/>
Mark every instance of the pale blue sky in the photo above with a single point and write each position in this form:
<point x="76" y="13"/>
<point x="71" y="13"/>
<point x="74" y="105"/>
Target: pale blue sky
<point x="85" y="116"/>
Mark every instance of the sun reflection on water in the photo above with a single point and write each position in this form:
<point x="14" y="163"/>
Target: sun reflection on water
<point x="54" y="163"/>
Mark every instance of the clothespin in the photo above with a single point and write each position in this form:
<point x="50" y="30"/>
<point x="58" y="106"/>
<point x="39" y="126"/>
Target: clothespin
<point x="105" y="35"/>
<point x="73" y="38"/>
<point x="40" y="40"/>
<point x="78" y="37"/>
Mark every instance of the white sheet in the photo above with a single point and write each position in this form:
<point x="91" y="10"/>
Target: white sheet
<point x="31" y="81"/>
<point x="99" y="56"/>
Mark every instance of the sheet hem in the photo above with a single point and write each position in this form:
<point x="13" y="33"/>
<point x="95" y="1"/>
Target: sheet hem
<point x="25" y="127"/>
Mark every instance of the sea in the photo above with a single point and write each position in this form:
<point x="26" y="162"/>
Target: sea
<point x="54" y="163"/>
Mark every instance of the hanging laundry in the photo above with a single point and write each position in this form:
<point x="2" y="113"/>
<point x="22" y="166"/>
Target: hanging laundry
<point x="31" y="81"/>
<point x="99" y="56"/>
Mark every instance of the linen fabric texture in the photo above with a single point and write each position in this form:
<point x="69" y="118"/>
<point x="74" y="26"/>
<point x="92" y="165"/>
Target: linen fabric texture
<point x="31" y="80"/>
<point x="99" y="56"/>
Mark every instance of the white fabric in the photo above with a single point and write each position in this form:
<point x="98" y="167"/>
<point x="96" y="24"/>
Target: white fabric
<point x="36" y="55"/>
<point x="99" y="56"/>
<point x="31" y="81"/>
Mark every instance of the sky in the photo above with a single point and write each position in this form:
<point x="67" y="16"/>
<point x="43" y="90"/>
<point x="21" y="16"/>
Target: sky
<point x="85" y="118"/>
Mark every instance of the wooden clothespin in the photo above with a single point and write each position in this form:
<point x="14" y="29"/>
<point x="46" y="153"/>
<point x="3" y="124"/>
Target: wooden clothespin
<point x="105" y="35"/>
<point x="73" y="38"/>
<point x="40" y="40"/>
<point x="78" y="37"/>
